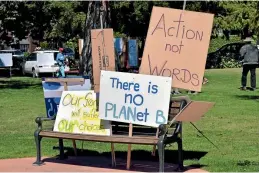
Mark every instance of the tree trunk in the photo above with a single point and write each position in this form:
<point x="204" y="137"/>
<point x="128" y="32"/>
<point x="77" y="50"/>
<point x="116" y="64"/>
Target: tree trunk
<point x="92" y="22"/>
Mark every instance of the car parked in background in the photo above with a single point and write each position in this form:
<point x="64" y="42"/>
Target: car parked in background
<point x="68" y="52"/>
<point x="228" y="52"/>
<point x="18" y="59"/>
<point x="40" y="62"/>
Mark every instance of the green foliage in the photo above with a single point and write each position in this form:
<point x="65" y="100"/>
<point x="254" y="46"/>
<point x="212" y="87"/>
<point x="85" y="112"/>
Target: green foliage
<point x="239" y="16"/>
<point x="60" y="21"/>
<point x="71" y="43"/>
<point x="121" y="35"/>
<point x="26" y="54"/>
<point x="68" y="21"/>
<point x="44" y="45"/>
<point x="229" y="63"/>
<point x="255" y="21"/>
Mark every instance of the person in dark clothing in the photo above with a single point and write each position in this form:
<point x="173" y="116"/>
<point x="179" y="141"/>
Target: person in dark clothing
<point x="250" y="55"/>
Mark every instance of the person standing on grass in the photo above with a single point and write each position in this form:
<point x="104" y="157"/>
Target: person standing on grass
<point x="61" y="63"/>
<point x="250" y="55"/>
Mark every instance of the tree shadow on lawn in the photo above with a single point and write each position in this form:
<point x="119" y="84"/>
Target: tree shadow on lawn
<point x="15" y="84"/>
<point x="141" y="160"/>
<point x="248" y="97"/>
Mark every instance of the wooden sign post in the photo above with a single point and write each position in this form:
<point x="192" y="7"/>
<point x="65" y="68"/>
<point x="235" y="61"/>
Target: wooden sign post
<point x="129" y="147"/>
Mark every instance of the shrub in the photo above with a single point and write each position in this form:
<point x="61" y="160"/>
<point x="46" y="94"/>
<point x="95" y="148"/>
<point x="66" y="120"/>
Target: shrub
<point x="26" y="54"/>
<point x="44" y="45"/>
<point x="229" y="63"/>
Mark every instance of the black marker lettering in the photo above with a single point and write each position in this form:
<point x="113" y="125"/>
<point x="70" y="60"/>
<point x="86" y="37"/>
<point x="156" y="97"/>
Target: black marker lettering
<point x="179" y="23"/>
<point x="168" y="71"/>
<point x="176" y="73"/>
<point x="155" y="69"/>
<point x="186" y="76"/>
<point x="157" y="27"/>
<point x="191" y="35"/>
<point x="196" y="77"/>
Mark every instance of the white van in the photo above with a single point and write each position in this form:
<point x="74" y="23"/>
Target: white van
<point x="41" y="62"/>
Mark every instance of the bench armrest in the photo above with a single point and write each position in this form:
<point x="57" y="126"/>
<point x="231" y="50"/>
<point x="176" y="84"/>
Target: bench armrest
<point x="186" y="99"/>
<point x="39" y="121"/>
<point x="162" y="130"/>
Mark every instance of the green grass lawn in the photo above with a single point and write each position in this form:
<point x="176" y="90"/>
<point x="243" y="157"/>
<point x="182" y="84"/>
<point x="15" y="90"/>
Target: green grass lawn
<point x="232" y="124"/>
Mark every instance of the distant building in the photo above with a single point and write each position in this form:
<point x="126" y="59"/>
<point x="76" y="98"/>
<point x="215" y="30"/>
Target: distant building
<point x="8" y="41"/>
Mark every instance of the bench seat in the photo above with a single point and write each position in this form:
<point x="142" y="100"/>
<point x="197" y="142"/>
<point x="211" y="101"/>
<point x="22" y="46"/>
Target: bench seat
<point x="145" y="140"/>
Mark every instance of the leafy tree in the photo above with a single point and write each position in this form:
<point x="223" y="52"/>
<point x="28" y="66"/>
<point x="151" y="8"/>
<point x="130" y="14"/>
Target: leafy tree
<point x="67" y="21"/>
<point x="93" y="22"/>
<point x="255" y="21"/>
<point x="232" y="16"/>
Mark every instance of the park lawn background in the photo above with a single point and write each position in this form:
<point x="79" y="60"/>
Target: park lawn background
<point x="232" y="124"/>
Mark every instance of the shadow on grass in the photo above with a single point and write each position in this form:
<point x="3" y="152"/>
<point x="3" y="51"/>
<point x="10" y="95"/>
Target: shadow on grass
<point x="248" y="97"/>
<point x="247" y="163"/>
<point x="141" y="160"/>
<point x="16" y="84"/>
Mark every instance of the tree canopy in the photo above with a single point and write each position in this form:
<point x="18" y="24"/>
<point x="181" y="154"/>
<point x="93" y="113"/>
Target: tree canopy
<point x="61" y="22"/>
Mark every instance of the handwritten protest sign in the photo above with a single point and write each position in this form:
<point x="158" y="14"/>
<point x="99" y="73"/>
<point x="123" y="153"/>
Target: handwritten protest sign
<point x="53" y="90"/>
<point x="177" y="45"/>
<point x="77" y="114"/>
<point x="134" y="98"/>
<point x="101" y="46"/>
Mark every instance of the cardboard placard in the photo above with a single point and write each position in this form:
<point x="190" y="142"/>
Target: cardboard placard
<point x="133" y="53"/>
<point x="77" y="114"/>
<point x="194" y="111"/>
<point x="6" y="60"/>
<point x="99" y="47"/>
<point x="53" y="88"/>
<point x="134" y="98"/>
<point x="177" y="45"/>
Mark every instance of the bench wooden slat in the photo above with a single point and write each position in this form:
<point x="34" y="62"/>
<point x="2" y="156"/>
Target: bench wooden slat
<point x="144" y="140"/>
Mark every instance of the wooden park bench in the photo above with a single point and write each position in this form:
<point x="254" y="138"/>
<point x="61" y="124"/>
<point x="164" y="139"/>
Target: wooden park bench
<point x="142" y="135"/>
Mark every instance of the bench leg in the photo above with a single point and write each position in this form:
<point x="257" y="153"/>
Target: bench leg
<point x="38" y="148"/>
<point x="180" y="155"/>
<point x="61" y="149"/>
<point x="161" y="150"/>
<point x="74" y="146"/>
<point x="180" y="150"/>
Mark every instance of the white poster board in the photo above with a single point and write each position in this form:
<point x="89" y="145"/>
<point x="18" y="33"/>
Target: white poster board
<point x="6" y="60"/>
<point x="77" y="114"/>
<point x="45" y="59"/>
<point x="134" y="98"/>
